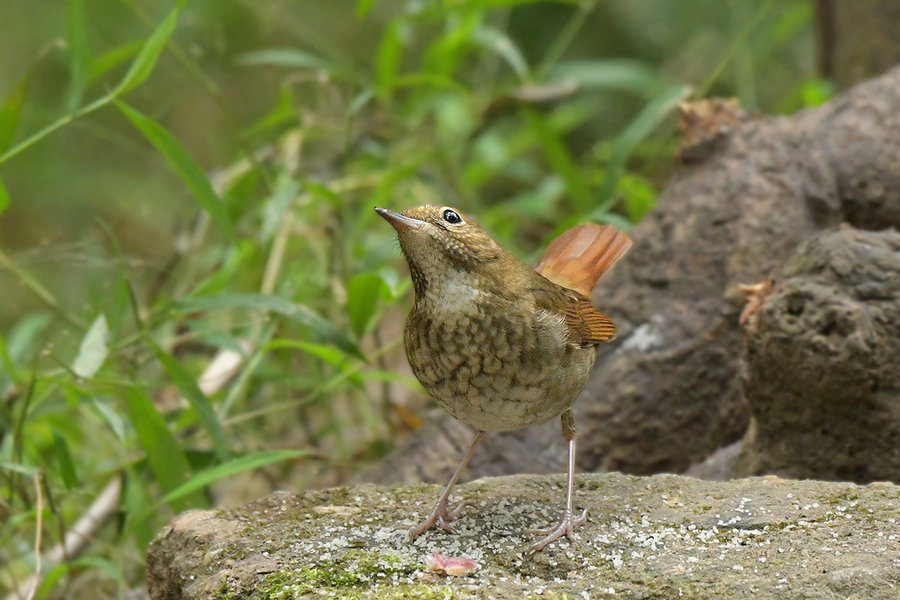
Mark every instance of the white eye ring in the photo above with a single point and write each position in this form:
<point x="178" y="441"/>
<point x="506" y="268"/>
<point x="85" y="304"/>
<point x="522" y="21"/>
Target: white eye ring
<point x="451" y="216"/>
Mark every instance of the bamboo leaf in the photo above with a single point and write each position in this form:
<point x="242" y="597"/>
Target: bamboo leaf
<point x="363" y="291"/>
<point x="10" y="112"/>
<point x="196" y="398"/>
<point x="363" y="7"/>
<point x="317" y="324"/>
<point x="560" y="159"/>
<point x="498" y="42"/>
<point x="79" y="53"/>
<point x="332" y="356"/>
<point x="653" y="113"/>
<point x="610" y="74"/>
<point x="143" y="64"/>
<point x="4" y="197"/>
<point x="300" y="59"/>
<point x="232" y="467"/>
<point x="112" y="417"/>
<point x="389" y="55"/>
<point x="138" y="507"/>
<point x="189" y="171"/>
<point x="111" y="59"/>
<point x="64" y="457"/>
<point x="93" y="349"/>
<point x="168" y="463"/>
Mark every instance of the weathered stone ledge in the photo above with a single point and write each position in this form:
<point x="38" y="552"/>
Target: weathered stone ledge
<point x="647" y="537"/>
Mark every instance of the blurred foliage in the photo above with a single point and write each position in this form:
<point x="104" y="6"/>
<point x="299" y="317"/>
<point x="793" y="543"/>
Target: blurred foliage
<point x="195" y="284"/>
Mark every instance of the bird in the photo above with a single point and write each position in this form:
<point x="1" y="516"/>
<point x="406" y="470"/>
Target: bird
<point x="498" y="344"/>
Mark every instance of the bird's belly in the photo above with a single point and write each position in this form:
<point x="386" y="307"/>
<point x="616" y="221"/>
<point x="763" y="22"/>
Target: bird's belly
<point x="494" y="373"/>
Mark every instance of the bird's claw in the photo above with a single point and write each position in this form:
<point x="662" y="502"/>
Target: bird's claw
<point x="441" y="517"/>
<point x="565" y="527"/>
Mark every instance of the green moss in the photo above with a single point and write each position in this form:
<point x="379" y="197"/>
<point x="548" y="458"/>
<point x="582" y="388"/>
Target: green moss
<point x="352" y="576"/>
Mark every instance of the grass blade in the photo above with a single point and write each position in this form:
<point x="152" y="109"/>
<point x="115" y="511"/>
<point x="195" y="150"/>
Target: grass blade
<point x="496" y="41"/>
<point x="143" y="64"/>
<point x="79" y="53"/>
<point x="388" y="57"/>
<point x="10" y="113"/>
<point x="189" y="171"/>
<point x="610" y="74"/>
<point x="138" y="507"/>
<point x="318" y="324"/>
<point x="560" y="159"/>
<point x="4" y="197"/>
<point x="111" y="59"/>
<point x="64" y="457"/>
<point x="363" y="291"/>
<point x="232" y="467"/>
<point x="300" y="59"/>
<point x="363" y="7"/>
<point x="168" y="463"/>
<point x="197" y="399"/>
<point x="643" y="124"/>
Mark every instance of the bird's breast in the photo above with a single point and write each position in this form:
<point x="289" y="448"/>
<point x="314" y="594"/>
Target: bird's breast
<point x="492" y="366"/>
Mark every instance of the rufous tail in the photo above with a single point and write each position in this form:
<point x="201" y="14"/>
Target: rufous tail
<point x="581" y="255"/>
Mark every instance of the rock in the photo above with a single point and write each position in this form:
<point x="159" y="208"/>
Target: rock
<point x="646" y="537"/>
<point x="718" y="466"/>
<point x="821" y="363"/>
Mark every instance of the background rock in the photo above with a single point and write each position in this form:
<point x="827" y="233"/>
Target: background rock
<point x="821" y="365"/>
<point x="649" y="537"/>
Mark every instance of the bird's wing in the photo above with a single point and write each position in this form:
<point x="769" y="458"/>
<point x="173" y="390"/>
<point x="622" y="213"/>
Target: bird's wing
<point x="586" y="326"/>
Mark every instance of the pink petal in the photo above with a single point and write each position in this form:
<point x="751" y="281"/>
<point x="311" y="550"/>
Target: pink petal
<point x="452" y="565"/>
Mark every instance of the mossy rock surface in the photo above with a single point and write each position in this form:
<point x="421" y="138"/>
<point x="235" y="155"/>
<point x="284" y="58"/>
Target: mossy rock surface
<point x="664" y="536"/>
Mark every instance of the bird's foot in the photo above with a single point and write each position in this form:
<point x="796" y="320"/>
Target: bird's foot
<point x="441" y="517"/>
<point x="566" y="527"/>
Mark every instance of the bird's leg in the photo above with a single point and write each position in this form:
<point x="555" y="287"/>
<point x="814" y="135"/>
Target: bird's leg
<point x="440" y="516"/>
<point x="568" y="522"/>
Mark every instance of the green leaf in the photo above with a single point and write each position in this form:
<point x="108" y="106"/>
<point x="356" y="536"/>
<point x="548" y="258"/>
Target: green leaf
<point x="4" y="197"/>
<point x="79" y="53"/>
<point x="498" y="42"/>
<point x="144" y="63"/>
<point x="112" y="417"/>
<point x="364" y="7"/>
<point x="79" y="566"/>
<point x="24" y="338"/>
<point x="639" y="196"/>
<point x="168" y="463"/>
<point x="9" y="367"/>
<point x="300" y="59"/>
<point x="389" y="55"/>
<point x="10" y="112"/>
<point x="560" y="159"/>
<point x="111" y="59"/>
<point x="640" y="127"/>
<point x="189" y="171"/>
<point x="66" y="464"/>
<point x="232" y="467"/>
<point x="612" y="74"/>
<point x="332" y="356"/>
<point x="138" y="507"/>
<point x="93" y="349"/>
<point x="197" y="399"/>
<point x="302" y="314"/>
<point x="362" y="300"/>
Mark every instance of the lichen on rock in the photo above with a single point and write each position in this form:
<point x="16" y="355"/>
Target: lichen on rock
<point x="649" y="537"/>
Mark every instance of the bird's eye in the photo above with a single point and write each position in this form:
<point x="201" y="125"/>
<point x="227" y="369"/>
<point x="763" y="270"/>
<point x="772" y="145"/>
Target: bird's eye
<point x="452" y="217"/>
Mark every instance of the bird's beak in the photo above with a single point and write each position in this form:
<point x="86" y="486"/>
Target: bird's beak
<point x="399" y="221"/>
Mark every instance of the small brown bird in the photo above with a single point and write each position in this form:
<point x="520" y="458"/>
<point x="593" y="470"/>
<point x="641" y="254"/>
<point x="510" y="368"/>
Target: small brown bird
<point x="498" y="344"/>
